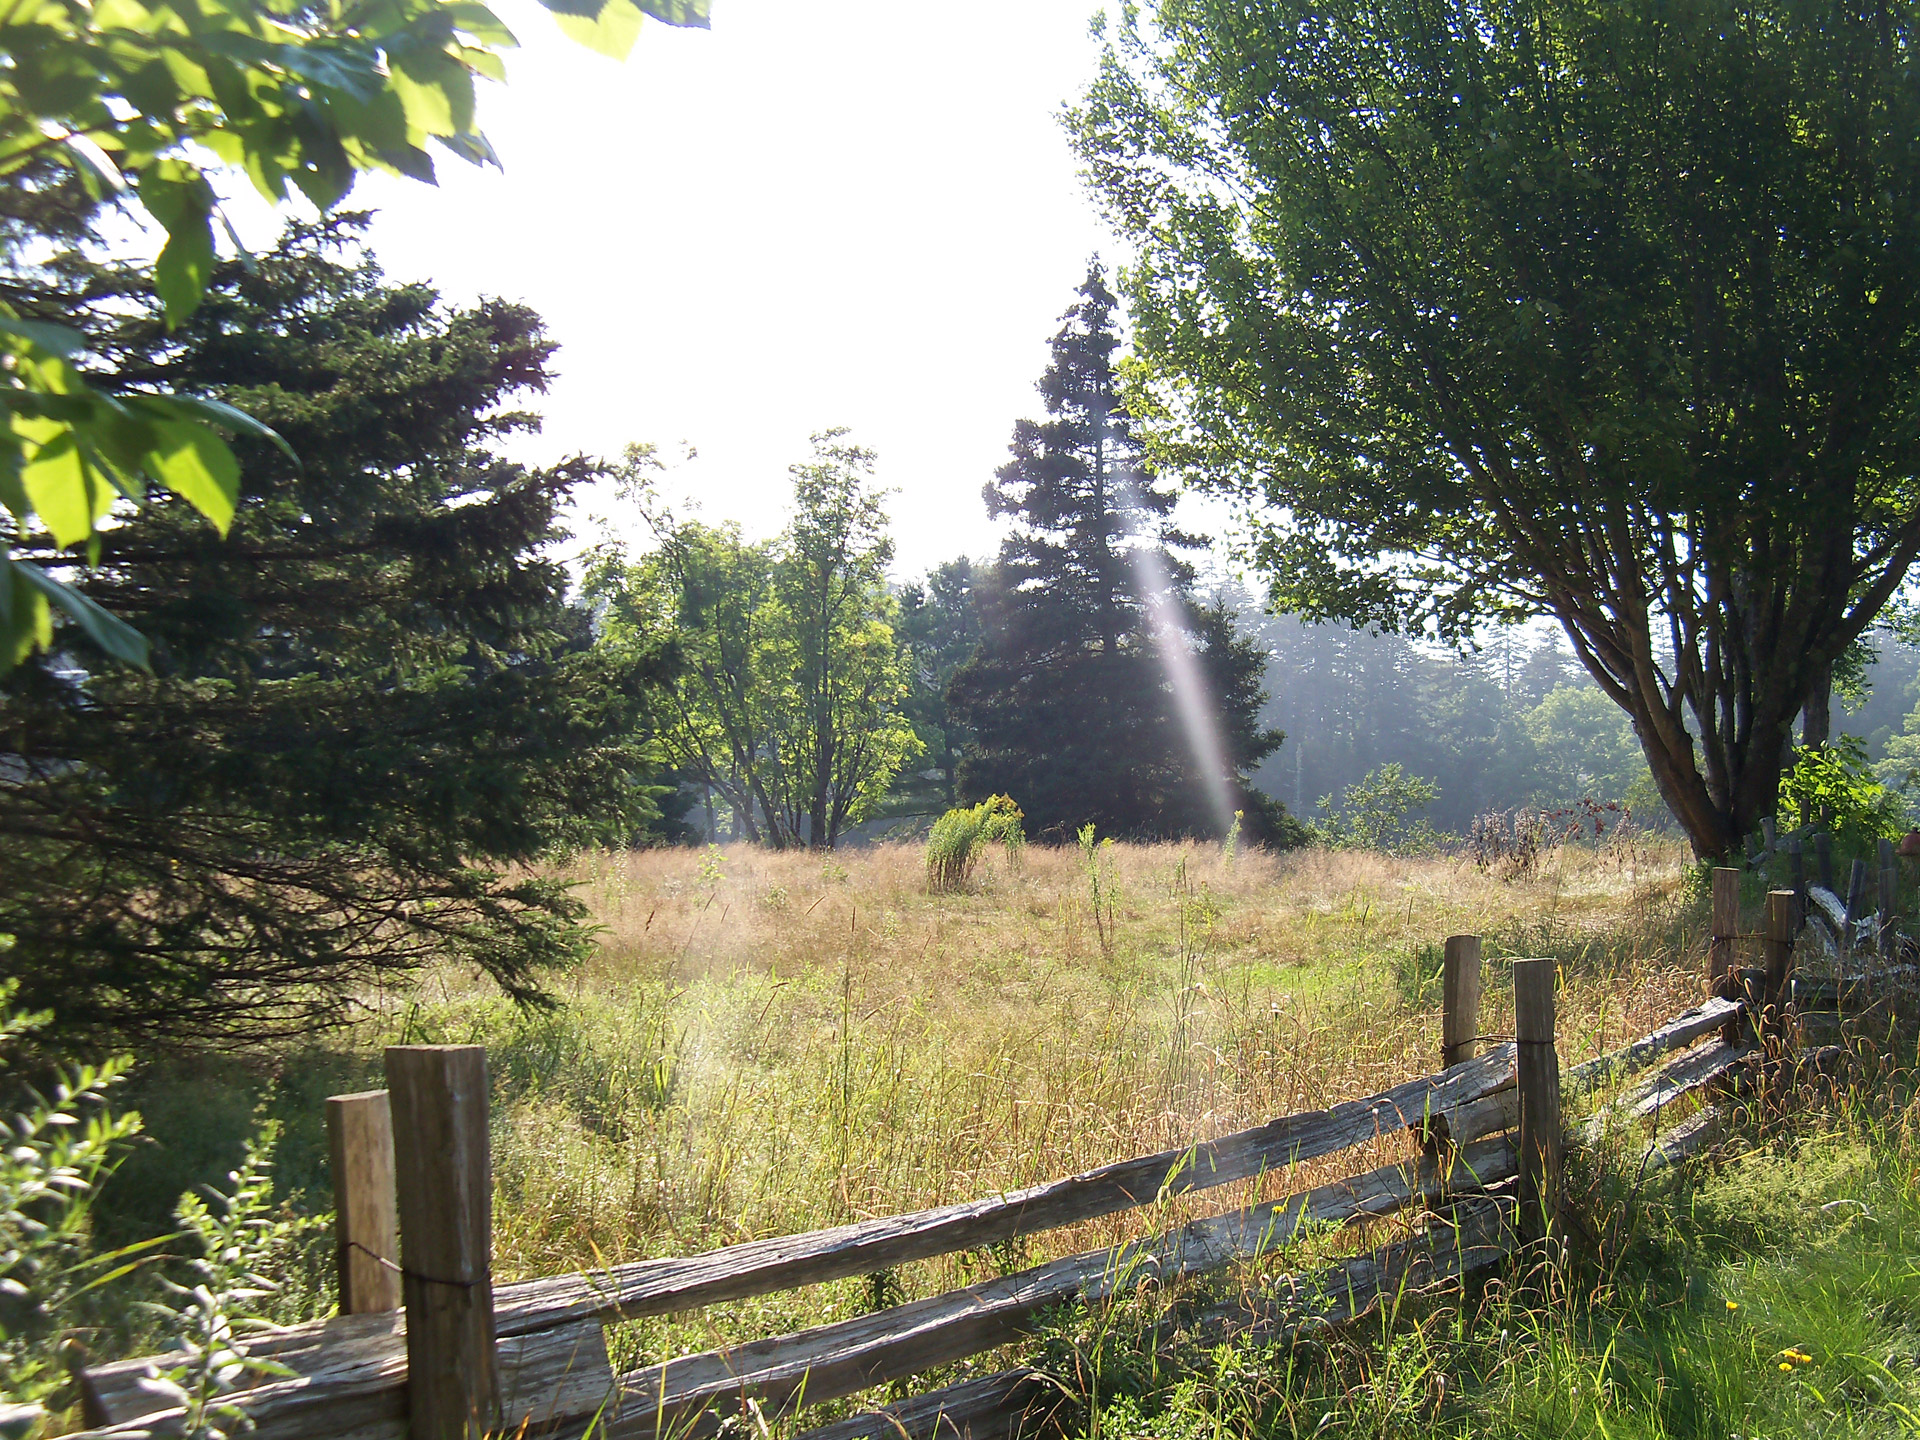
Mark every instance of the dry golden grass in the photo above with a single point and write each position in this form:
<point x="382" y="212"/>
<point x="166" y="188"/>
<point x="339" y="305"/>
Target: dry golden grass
<point x="769" y="1042"/>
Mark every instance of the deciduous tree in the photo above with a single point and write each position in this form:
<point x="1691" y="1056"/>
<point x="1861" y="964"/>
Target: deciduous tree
<point x="791" y="699"/>
<point x="1609" y="313"/>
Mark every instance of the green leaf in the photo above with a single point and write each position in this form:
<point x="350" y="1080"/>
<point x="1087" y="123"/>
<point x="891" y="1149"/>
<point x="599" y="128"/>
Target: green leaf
<point x="115" y="637"/>
<point x="13" y="495"/>
<point x="478" y="21"/>
<point x="182" y="272"/>
<point x="178" y="197"/>
<point x="195" y="464"/>
<point x="55" y="479"/>
<point x="412" y="162"/>
<point x="26" y="624"/>
<point x="610" y="31"/>
<point x="475" y="149"/>
<point x="425" y="94"/>
<point x="679" y="12"/>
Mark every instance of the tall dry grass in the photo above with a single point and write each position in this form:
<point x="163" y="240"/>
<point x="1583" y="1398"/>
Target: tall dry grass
<point x="770" y="1042"/>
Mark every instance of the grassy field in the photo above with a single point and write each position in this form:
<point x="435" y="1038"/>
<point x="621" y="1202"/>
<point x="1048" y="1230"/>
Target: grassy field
<point x="766" y="1043"/>
<point x="771" y="1042"/>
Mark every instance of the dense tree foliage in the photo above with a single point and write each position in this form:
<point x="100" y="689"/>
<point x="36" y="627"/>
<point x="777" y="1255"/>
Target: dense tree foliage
<point x="1068" y="698"/>
<point x="369" y="704"/>
<point x="1604" y="313"/>
<point x="790" y="705"/>
<point x="939" y="627"/>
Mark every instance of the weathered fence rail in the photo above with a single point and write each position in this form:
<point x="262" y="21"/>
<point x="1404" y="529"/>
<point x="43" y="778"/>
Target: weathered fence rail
<point x="436" y="1351"/>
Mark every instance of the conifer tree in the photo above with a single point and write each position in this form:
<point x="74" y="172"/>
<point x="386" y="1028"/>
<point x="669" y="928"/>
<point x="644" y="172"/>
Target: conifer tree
<point x="1067" y="698"/>
<point x="371" y="705"/>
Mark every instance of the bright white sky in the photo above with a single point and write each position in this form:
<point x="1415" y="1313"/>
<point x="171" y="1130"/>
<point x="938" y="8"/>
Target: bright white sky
<point x="859" y="213"/>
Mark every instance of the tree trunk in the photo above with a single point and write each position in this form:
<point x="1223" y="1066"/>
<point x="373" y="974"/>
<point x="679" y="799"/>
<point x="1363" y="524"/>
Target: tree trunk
<point x="818" y="835"/>
<point x="1741" y="780"/>
<point x="1816" y="721"/>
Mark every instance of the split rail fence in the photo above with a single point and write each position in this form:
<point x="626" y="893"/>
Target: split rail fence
<point x="427" y="1346"/>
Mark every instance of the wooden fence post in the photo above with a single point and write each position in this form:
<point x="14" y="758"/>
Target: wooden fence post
<point x="1889" y="898"/>
<point x="366" y="1224"/>
<point x="1797" y="871"/>
<point x="445" y="1183"/>
<point x="1725" y="929"/>
<point x="1779" y="952"/>
<point x="1823" y="858"/>
<point x="1856" y="897"/>
<point x="1540" y="1139"/>
<point x="1460" y="1001"/>
<point x="1768" y="837"/>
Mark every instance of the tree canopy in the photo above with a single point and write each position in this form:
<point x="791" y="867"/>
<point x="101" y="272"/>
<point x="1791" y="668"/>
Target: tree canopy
<point x="369" y="706"/>
<point x="1068" y="699"/>
<point x="1605" y="313"/>
<point x="791" y="700"/>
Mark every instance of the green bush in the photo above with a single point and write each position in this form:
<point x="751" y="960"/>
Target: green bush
<point x="1833" y="786"/>
<point x="960" y="837"/>
<point x="58" y="1147"/>
<point x="256" y="1263"/>
<point x="1373" y="813"/>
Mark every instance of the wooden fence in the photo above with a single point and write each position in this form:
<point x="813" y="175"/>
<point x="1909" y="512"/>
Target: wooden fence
<point x="427" y="1346"/>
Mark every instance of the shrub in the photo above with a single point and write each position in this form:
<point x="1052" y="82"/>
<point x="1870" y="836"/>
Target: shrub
<point x="1372" y="813"/>
<point x="961" y="836"/>
<point x="55" y="1151"/>
<point x="1834" y="786"/>
<point x="249" y="1246"/>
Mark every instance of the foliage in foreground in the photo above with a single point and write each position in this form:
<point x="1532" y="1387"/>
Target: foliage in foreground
<point x="247" y="1263"/>
<point x="147" y="100"/>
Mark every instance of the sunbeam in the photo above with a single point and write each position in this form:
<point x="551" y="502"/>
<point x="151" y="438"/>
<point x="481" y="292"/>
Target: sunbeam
<point x="1192" y="698"/>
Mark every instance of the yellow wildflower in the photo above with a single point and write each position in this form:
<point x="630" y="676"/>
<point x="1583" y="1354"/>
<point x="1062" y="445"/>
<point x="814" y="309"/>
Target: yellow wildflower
<point x="1733" y="1304"/>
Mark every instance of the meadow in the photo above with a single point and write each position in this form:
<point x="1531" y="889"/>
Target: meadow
<point x="768" y="1042"/>
<point x="772" y="1041"/>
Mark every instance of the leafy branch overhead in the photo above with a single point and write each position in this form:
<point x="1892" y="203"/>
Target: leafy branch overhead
<point x="146" y="100"/>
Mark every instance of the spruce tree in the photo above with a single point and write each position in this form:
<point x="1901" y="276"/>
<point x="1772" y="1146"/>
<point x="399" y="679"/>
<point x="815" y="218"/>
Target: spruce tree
<point x="371" y="708"/>
<point x="1067" y="698"/>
